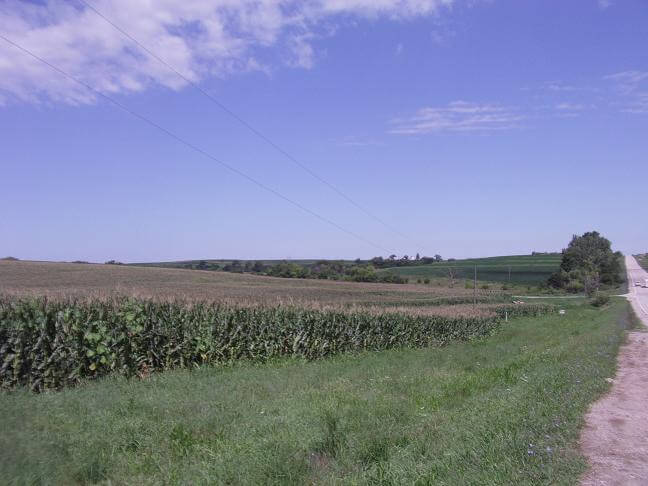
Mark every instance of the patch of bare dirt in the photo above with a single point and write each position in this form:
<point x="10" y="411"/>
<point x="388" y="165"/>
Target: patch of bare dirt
<point x="615" y="438"/>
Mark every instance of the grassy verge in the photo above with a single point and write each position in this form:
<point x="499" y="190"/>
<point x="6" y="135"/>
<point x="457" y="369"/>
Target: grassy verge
<point x="499" y="410"/>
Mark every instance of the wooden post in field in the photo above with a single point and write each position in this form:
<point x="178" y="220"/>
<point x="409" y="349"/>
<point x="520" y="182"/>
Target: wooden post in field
<point x="475" y="289"/>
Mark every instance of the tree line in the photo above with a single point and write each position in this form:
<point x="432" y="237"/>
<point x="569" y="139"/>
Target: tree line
<point x="356" y="271"/>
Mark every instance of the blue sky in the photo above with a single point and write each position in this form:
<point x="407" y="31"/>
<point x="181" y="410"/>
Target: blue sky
<point x="473" y="128"/>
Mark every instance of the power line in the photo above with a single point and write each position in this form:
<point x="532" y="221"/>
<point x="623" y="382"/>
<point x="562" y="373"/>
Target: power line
<point x="248" y="125"/>
<point x="194" y="147"/>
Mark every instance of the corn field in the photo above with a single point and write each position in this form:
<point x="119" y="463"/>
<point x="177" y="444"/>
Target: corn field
<point x="48" y="344"/>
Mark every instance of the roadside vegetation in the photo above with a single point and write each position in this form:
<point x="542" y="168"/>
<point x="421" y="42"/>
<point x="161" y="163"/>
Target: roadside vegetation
<point x="499" y="410"/>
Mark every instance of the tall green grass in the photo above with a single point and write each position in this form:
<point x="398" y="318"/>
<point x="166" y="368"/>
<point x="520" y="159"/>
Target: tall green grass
<point x="48" y="344"/>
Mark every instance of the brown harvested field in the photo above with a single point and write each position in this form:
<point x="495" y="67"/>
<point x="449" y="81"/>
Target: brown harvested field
<point x="81" y="280"/>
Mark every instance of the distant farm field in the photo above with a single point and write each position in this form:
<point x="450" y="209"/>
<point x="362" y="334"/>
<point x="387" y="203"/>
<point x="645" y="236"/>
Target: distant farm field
<point x="520" y="269"/>
<point x="79" y="280"/>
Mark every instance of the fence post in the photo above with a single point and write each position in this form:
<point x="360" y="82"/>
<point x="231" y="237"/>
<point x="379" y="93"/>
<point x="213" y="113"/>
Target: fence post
<point x="475" y="289"/>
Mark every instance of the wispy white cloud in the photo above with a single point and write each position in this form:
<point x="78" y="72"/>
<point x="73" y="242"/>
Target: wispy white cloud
<point x="604" y="4"/>
<point x="632" y="86"/>
<point x="638" y="104"/>
<point x="459" y="116"/>
<point x="356" y="141"/>
<point x="627" y="81"/>
<point x="557" y="86"/>
<point x="560" y="88"/>
<point x="571" y="107"/>
<point x="573" y="110"/>
<point x="200" y="38"/>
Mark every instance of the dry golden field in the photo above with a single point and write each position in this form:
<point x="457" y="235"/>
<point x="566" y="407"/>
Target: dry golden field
<point x="74" y="279"/>
<point x="58" y="280"/>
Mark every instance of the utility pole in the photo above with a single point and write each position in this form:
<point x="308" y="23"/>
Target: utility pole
<point x="475" y="289"/>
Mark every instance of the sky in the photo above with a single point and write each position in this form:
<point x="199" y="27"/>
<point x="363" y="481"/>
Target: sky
<point x="463" y="128"/>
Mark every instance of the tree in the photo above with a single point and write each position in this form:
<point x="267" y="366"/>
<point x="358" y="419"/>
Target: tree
<point x="591" y="283"/>
<point x="418" y="257"/>
<point x="587" y="262"/>
<point x="236" y="266"/>
<point x="452" y="274"/>
<point x="438" y="258"/>
<point x="363" y="273"/>
<point x="377" y="261"/>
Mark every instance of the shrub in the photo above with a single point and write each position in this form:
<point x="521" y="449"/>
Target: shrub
<point x="427" y="281"/>
<point x="600" y="300"/>
<point x="574" y="286"/>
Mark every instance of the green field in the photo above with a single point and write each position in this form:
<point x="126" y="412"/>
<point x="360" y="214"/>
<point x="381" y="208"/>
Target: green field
<point x="506" y="409"/>
<point x="524" y="269"/>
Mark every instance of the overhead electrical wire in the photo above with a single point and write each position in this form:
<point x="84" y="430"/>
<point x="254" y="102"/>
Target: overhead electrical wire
<point x="194" y="147"/>
<point x="247" y="125"/>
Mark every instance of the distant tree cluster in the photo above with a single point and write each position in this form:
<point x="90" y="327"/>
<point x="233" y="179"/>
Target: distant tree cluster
<point x="587" y="263"/>
<point x="405" y="260"/>
<point x="332" y="270"/>
<point x="113" y="262"/>
<point x="357" y="271"/>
